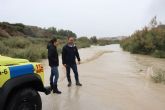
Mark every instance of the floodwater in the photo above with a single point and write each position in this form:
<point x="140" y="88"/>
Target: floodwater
<point x="112" y="80"/>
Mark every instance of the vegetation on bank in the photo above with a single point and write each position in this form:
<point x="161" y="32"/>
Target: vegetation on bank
<point x="159" y="77"/>
<point x="35" y="49"/>
<point x="149" y="41"/>
<point x="24" y="41"/>
<point x="19" y="47"/>
<point x="30" y="42"/>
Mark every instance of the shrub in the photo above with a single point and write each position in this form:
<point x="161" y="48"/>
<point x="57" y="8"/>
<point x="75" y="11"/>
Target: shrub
<point x="17" y="42"/>
<point x="18" y="47"/>
<point x="83" y="42"/>
<point x="159" y="77"/>
<point x="151" y="42"/>
<point x="3" y="49"/>
<point x="32" y="53"/>
<point x="159" y="54"/>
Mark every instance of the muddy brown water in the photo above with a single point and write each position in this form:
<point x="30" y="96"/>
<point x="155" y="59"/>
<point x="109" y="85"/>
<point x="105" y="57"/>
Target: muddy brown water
<point x="112" y="80"/>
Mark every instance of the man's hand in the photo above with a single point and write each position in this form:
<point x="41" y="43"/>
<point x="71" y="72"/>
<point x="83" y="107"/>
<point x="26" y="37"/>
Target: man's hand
<point x="79" y="62"/>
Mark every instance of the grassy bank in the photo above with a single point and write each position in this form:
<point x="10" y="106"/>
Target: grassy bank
<point x="32" y="48"/>
<point x="35" y="49"/>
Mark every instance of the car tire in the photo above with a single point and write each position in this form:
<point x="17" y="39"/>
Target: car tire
<point x="25" y="99"/>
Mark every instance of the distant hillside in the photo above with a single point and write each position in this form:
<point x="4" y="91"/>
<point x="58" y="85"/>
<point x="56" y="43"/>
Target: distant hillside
<point x="161" y="26"/>
<point x="19" y="29"/>
<point x="114" y="38"/>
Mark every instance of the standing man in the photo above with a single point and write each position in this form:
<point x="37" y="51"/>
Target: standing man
<point x="69" y="55"/>
<point x="53" y="63"/>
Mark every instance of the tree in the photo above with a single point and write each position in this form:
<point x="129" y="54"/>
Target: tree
<point x="93" y="39"/>
<point x="153" y="23"/>
<point x="52" y="30"/>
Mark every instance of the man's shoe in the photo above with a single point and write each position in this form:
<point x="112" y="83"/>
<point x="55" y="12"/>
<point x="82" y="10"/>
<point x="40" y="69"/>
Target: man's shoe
<point x="69" y="84"/>
<point x="55" y="90"/>
<point x="78" y="84"/>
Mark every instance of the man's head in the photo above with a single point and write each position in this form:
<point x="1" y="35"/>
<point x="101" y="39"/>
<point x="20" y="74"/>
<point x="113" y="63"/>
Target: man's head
<point x="71" y="40"/>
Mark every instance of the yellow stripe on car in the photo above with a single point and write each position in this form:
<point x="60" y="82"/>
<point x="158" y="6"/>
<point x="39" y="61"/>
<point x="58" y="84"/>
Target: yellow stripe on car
<point x="4" y="75"/>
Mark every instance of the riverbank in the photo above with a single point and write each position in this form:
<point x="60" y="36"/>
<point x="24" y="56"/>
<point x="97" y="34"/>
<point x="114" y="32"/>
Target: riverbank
<point x="116" y="80"/>
<point x="148" y="41"/>
<point x="153" y="67"/>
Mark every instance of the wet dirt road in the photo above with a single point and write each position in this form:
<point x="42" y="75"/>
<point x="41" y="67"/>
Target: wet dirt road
<point x="112" y="80"/>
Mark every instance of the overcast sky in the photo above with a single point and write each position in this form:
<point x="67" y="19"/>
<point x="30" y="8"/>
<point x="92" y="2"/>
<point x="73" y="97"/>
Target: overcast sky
<point x="103" y="18"/>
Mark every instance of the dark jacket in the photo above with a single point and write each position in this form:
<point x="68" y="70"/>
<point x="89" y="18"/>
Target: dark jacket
<point x="52" y="55"/>
<point x="69" y="55"/>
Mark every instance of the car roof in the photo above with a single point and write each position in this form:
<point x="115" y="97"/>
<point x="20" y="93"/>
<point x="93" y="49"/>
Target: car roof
<point x="4" y="61"/>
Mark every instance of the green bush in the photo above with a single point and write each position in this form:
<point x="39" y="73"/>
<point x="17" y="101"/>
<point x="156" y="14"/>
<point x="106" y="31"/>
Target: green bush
<point x="83" y="42"/>
<point x="159" y="54"/>
<point x="17" y="42"/>
<point x="146" y="41"/>
<point x="3" y="49"/>
<point x="19" y="47"/>
<point x="103" y="42"/>
<point x="32" y="53"/>
<point x="159" y="77"/>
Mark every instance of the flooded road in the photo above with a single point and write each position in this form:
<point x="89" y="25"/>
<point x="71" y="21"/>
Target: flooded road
<point x="112" y="80"/>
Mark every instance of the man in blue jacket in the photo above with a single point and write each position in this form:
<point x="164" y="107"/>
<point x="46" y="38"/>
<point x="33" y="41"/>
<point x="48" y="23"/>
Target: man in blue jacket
<point x="69" y="55"/>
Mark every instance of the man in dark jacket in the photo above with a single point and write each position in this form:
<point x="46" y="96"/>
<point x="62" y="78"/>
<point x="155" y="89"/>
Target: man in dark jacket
<point x="53" y="63"/>
<point x="69" y="55"/>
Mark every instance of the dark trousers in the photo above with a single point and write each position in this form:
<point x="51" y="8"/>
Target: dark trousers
<point x="74" y="68"/>
<point x="54" y="75"/>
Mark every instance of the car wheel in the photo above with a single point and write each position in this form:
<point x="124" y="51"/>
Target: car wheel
<point x="25" y="99"/>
